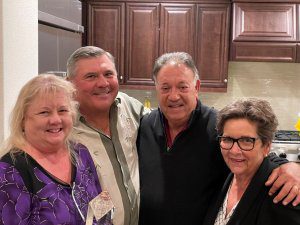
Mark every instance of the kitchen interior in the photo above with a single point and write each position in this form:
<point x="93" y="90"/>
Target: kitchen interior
<point x="243" y="48"/>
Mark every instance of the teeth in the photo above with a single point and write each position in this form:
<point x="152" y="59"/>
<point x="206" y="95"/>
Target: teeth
<point x="101" y="92"/>
<point x="54" y="130"/>
<point x="238" y="160"/>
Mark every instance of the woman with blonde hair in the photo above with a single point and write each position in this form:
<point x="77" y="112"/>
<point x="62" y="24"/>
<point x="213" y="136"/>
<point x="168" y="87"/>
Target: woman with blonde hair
<point x="44" y="177"/>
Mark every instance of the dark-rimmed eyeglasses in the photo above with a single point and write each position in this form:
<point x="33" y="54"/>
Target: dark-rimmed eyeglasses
<point x="244" y="143"/>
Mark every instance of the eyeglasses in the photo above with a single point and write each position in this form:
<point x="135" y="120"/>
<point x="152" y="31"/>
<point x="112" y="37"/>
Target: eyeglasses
<point x="245" y="143"/>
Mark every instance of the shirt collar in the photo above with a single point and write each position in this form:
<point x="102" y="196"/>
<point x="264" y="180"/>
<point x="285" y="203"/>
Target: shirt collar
<point x="166" y="125"/>
<point x="81" y="118"/>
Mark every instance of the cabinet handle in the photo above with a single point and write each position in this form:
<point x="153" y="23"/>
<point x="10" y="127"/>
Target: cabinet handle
<point x="121" y="77"/>
<point x="225" y="80"/>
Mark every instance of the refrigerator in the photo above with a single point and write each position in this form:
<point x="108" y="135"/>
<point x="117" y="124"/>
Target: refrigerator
<point x="59" y="33"/>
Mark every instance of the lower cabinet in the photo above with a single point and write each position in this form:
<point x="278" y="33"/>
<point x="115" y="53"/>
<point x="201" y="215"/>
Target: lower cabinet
<point x="136" y="33"/>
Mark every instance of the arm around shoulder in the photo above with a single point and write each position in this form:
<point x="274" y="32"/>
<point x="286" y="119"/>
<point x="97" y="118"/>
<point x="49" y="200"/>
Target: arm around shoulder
<point x="278" y="214"/>
<point x="285" y="178"/>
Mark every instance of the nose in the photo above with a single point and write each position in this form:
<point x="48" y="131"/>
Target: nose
<point x="236" y="148"/>
<point x="174" y="96"/>
<point x="101" y="81"/>
<point x="55" y="118"/>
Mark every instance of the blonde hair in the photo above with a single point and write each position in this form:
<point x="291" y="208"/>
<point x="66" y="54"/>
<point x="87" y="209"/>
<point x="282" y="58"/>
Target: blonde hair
<point x="43" y="84"/>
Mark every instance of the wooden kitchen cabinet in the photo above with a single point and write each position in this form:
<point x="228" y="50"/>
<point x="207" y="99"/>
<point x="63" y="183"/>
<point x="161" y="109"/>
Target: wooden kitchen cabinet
<point x="265" y="31"/>
<point x="141" y="49"/>
<point x="212" y="45"/>
<point x="106" y="27"/>
<point x="265" y="51"/>
<point x="144" y="44"/>
<point x="177" y="28"/>
<point x="137" y="32"/>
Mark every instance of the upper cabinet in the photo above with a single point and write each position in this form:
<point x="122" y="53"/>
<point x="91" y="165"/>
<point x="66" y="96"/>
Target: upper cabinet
<point x="212" y="44"/>
<point x="141" y="43"/>
<point x="105" y="27"/>
<point x="137" y="32"/>
<point x="265" y="31"/>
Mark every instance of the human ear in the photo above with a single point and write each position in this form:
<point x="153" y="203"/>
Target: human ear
<point x="267" y="148"/>
<point x="197" y="86"/>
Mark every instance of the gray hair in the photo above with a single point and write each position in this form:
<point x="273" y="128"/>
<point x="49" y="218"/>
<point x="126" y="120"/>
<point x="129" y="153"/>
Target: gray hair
<point x="43" y="84"/>
<point x="176" y="58"/>
<point x="84" y="53"/>
<point x="255" y="110"/>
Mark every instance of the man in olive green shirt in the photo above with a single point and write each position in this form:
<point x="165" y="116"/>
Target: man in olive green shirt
<point x="108" y="125"/>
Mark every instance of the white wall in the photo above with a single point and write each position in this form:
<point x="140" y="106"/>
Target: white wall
<point x="18" y="53"/>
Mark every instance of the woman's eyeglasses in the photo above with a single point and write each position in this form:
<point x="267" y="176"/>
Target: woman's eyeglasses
<point x="244" y="143"/>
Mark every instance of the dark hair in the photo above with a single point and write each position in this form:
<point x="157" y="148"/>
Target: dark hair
<point x="255" y="110"/>
<point x="176" y="58"/>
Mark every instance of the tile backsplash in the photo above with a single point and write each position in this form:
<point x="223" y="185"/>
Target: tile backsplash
<point x="279" y="83"/>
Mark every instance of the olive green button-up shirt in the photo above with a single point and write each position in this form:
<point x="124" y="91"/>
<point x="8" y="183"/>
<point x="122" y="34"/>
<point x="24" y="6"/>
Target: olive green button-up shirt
<point x="115" y="157"/>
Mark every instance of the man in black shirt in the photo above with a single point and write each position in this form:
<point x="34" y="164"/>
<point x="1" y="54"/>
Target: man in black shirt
<point x="181" y="167"/>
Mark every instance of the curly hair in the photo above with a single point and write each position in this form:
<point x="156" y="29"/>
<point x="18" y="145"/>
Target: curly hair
<point x="255" y="110"/>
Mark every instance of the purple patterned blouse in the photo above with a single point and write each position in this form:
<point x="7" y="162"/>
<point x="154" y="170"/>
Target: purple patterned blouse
<point x="30" y="195"/>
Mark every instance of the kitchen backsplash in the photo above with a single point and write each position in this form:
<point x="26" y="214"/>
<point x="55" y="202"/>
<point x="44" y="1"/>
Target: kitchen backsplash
<point x="279" y="83"/>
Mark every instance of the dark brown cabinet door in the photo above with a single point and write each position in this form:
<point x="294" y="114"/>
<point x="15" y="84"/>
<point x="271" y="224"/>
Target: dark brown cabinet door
<point x="212" y="45"/>
<point x="264" y="51"/>
<point x="142" y="27"/>
<point x="265" y="32"/>
<point x="105" y="28"/>
<point x="177" y="29"/>
<point x="264" y="22"/>
<point x="137" y="32"/>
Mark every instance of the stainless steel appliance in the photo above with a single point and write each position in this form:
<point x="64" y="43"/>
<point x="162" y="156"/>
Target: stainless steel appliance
<point x="286" y="144"/>
<point x="60" y="32"/>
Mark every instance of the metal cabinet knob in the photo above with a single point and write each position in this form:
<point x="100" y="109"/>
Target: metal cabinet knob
<point x="121" y="77"/>
<point x="225" y="80"/>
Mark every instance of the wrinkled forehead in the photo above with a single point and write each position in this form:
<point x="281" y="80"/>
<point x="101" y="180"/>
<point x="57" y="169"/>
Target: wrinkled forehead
<point x="100" y="59"/>
<point x="175" y="70"/>
<point x="175" y="63"/>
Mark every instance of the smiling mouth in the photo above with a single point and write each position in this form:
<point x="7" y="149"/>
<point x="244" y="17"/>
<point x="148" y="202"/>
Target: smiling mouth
<point x="54" y="130"/>
<point x="102" y="92"/>
<point x="238" y="160"/>
<point x="175" y="106"/>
